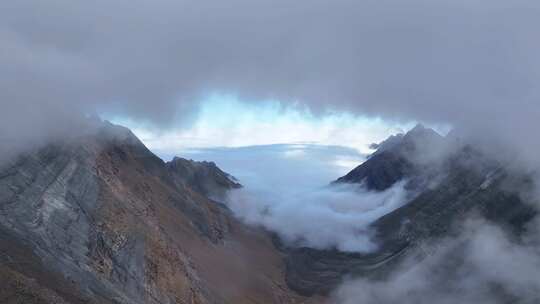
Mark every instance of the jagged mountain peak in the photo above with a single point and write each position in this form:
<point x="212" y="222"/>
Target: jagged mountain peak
<point x="396" y="158"/>
<point x="112" y="130"/>
<point x="420" y="131"/>
<point x="203" y="176"/>
<point x="113" y="133"/>
<point x="387" y="144"/>
<point x="419" y="128"/>
<point x="419" y="137"/>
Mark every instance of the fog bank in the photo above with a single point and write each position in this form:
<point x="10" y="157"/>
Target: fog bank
<point x="286" y="191"/>
<point x="482" y="264"/>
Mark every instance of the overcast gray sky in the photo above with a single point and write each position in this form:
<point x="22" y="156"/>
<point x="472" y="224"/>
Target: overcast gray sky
<point x="474" y="64"/>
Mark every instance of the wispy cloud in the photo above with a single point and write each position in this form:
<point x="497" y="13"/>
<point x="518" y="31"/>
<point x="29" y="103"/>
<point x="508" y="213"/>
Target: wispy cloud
<point x="481" y="265"/>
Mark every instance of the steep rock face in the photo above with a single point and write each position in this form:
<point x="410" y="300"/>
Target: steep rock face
<point x="380" y="172"/>
<point x="398" y="157"/>
<point x="467" y="182"/>
<point x="203" y="177"/>
<point x="100" y="219"/>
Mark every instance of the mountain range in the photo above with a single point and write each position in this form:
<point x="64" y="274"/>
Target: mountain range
<point x="449" y="181"/>
<point x="101" y="219"/>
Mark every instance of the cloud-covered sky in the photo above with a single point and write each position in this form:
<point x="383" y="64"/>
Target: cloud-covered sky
<point x="468" y="63"/>
<point x="225" y="121"/>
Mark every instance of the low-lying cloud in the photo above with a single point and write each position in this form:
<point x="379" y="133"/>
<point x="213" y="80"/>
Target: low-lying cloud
<point x="333" y="217"/>
<point x="286" y="191"/>
<point x="481" y="265"/>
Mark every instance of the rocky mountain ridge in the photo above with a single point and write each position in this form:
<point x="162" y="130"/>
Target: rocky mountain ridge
<point x="204" y="177"/>
<point x="449" y="189"/>
<point x="100" y="219"/>
<point x="411" y="155"/>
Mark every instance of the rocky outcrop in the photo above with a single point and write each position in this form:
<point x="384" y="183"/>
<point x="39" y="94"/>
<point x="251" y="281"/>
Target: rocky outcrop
<point x="400" y="157"/>
<point x="203" y="177"/>
<point x="467" y="182"/>
<point x="100" y="219"/>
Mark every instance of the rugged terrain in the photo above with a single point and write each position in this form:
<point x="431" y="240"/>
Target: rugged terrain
<point x="100" y="219"/>
<point x="449" y="181"/>
<point x="203" y="177"/>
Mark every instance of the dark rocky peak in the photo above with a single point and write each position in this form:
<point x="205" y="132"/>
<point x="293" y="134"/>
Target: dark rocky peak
<point x="119" y="135"/>
<point x="416" y="140"/>
<point x="90" y="136"/>
<point x="379" y="172"/>
<point x="124" y="148"/>
<point x="398" y="157"/>
<point x="420" y="130"/>
<point x="420" y="139"/>
<point x="387" y="144"/>
<point x="202" y="176"/>
<point x="112" y="131"/>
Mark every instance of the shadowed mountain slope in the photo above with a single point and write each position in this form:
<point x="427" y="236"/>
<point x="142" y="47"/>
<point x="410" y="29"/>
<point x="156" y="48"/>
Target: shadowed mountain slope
<point x="202" y="176"/>
<point x="399" y="157"/>
<point x="100" y="219"/>
<point x="447" y="190"/>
